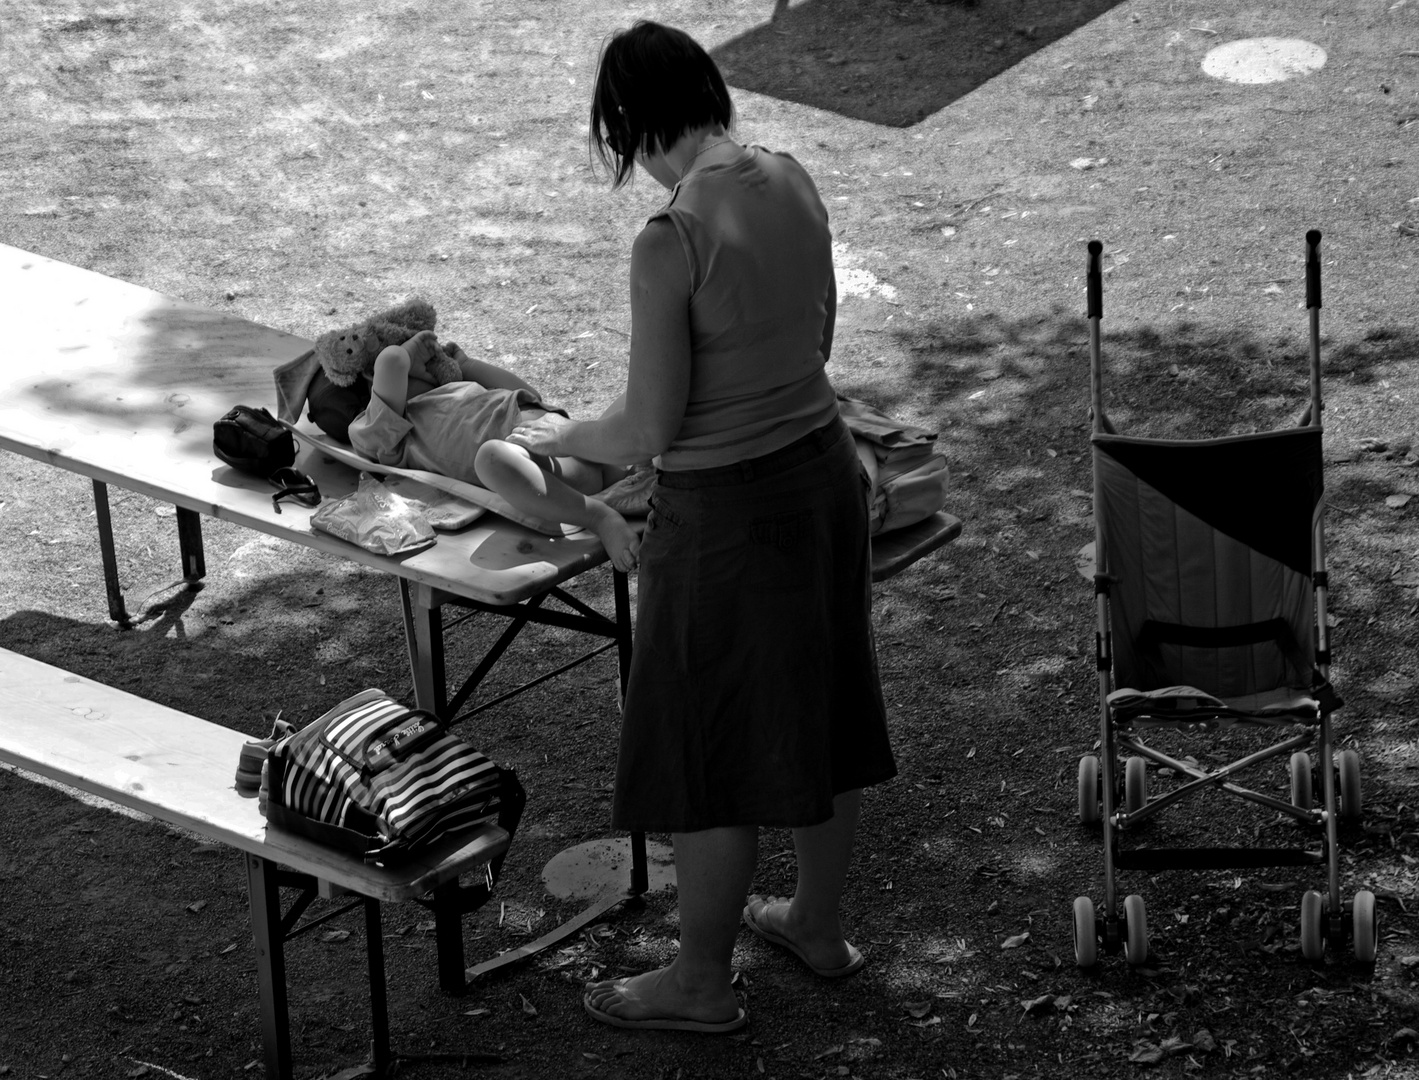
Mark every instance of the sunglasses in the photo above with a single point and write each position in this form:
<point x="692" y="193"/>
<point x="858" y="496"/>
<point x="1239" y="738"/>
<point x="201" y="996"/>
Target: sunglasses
<point x="293" y="484"/>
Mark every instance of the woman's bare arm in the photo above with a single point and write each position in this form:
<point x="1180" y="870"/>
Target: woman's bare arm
<point x="658" y="383"/>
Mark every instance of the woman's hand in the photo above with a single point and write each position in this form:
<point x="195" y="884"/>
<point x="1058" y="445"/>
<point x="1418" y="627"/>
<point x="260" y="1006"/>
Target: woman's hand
<point x="542" y="435"/>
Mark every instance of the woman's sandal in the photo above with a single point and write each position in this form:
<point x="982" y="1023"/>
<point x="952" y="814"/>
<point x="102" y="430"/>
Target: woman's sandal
<point x="660" y="1023"/>
<point x="757" y="905"/>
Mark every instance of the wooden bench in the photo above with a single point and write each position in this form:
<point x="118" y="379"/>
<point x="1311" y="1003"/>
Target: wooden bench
<point x="181" y="770"/>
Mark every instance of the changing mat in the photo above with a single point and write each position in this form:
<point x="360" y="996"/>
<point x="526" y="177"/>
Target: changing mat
<point x="470" y="493"/>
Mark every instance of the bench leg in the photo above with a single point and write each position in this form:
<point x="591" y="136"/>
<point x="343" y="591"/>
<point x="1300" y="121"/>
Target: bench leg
<point x="189" y="541"/>
<point x="116" y="611"/>
<point x="448" y="937"/>
<point x="270" y="965"/>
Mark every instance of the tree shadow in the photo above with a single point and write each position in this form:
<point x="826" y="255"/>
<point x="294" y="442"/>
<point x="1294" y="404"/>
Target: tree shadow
<point x="1009" y="397"/>
<point x="1185" y="380"/>
<point x="145" y="363"/>
<point x="893" y="62"/>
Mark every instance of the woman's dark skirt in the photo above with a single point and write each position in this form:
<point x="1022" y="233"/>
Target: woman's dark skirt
<point x="754" y="695"/>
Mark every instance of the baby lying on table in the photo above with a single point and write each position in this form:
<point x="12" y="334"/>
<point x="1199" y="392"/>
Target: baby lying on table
<point x="458" y="429"/>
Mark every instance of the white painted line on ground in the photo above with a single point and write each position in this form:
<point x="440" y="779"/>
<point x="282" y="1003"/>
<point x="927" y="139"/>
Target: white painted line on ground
<point x="1263" y="60"/>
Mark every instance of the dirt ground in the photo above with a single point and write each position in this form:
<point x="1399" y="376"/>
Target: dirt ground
<point x="307" y="165"/>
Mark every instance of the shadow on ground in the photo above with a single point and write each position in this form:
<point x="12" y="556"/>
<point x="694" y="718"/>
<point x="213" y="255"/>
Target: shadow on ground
<point x="893" y="62"/>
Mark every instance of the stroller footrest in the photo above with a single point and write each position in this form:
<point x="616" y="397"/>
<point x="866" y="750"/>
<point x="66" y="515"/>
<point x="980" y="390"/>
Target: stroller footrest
<point x="1153" y="860"/>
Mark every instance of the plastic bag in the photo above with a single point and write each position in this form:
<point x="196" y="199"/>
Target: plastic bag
<point x="375" y="518"/>
<point x="445" y="511"/>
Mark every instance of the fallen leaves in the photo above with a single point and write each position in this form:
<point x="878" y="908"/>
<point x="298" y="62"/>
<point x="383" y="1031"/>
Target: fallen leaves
<point x="1047" y="1003"/>
<point x="1150" y="1053"/>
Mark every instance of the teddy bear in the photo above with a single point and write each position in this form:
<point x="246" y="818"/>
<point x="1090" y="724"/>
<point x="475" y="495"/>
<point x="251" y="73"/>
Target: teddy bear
<point x="345" y="355"/>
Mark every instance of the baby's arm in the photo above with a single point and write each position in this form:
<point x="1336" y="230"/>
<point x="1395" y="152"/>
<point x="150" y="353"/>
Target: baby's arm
<point x="484" y="373"/>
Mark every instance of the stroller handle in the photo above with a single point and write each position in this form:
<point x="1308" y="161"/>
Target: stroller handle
<point x="1313" y="268"/>
<point x="1095" y="280"/>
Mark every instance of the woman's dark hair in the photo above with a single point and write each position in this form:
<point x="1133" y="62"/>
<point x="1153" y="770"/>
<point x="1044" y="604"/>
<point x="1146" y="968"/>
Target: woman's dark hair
<point x="654" y="83"/>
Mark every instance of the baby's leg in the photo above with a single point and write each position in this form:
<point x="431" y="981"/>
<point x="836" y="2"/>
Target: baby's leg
<point x="391" y="377"/>
<point x="511" y="472"/>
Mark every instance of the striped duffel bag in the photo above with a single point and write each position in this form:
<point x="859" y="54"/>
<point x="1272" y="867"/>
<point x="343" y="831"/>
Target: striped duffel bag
<point x="375" y="777"/>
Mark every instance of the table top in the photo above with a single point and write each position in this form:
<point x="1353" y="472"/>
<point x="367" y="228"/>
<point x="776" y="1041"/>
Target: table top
<point x="122" y="385"/>
<point x="182" y="770"/>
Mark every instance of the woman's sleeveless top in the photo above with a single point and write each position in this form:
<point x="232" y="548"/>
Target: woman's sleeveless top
<point x="756" y="236"/>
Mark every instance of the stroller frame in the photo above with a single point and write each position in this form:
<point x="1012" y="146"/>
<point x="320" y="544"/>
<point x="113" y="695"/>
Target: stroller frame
<point x="1125" y="715"/>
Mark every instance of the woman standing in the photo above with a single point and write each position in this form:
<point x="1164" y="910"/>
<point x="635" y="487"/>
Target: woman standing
<point x="753" y="698"/>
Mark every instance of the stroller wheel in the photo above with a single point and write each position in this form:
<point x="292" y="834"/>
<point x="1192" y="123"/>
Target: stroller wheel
<point x="1135" y="919"/>
<point x="1347" y="764"/>
<point x="1301" y="780"/>
<point x="1090" y="812"/>
<point x="1135" y="784"/>
<point x="1086" y="933"/>
<point x="1312" y="925"/>
<point x="1366" y="931"/>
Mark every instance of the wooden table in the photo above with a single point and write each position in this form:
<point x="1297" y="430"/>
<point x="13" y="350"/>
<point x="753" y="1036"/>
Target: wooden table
<point x="122" y="385"/>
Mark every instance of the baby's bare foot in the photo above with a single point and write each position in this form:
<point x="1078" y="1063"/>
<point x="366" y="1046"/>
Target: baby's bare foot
<point x="618" y="538"/>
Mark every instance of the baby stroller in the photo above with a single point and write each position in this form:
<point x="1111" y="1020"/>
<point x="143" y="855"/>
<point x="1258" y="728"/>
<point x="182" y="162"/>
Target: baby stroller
<point x="1210" y="589"/>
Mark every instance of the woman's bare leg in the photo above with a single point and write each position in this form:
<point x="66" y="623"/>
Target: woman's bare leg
<point x="511" y="472"/>
<point x="713" y="869"/>
<point x="811" y="920"/>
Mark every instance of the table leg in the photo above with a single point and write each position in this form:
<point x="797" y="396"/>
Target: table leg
<point x="116" y="611"/>
<point x="640" y="873"/>
<point x="381" y="1057"/>
<point x="267" y="931"/>
<point x="189" y="540"/>
<point x="423" y="635"/>
<point x="622" y="588"/>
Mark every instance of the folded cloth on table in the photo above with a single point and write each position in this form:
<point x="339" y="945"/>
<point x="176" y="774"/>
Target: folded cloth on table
<point x="909" y="478"/>
<point x="630" y="496"/>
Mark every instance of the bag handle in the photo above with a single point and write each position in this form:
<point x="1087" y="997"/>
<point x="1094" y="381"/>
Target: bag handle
<point x="416" y="729"/>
